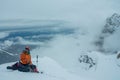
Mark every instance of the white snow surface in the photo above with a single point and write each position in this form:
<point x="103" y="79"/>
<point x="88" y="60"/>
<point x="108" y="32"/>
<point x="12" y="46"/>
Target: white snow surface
<point x="51" y="71"/>
<point x="106" y="69"/>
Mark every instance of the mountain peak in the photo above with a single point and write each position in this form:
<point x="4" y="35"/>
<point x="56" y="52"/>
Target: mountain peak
<point x="109" y="30"/>
<point x="114" y="20"/>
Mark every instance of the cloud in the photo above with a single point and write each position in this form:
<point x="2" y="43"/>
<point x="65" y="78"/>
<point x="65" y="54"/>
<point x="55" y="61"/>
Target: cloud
<point x="3" y="34"/>
<point x="90" y="14"/>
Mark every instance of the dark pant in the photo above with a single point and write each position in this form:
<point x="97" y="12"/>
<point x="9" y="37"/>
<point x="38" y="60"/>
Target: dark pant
<point x="23" y="67"/>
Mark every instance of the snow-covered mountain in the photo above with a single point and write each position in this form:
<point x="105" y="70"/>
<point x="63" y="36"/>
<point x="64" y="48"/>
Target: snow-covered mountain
<point x="108" y="40"/>
<point x="74" y="39"/>
<point x="105" y="69"/>
<point x="71" y="52"/>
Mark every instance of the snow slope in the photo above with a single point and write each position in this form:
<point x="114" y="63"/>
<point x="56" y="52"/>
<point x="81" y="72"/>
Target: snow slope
<point x="106" y="69"/>
<point x="52" y="71"/>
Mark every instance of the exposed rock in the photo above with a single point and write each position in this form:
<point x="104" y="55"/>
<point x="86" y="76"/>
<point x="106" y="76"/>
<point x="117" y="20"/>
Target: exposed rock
<point x="111" y="26"/>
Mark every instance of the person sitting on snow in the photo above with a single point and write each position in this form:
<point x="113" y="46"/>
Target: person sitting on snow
<point x="25" y="63"/>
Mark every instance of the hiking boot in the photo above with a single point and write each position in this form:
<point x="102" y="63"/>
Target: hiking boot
<point x="9" y="67"/>
<point x="35" y="70"/>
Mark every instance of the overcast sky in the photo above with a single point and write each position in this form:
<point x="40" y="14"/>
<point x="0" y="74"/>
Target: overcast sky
<point x="56" y="9"/>
<point x="88" y="13"/>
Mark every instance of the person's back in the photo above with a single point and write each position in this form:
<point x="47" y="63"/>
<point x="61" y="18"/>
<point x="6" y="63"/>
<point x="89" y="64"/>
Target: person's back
<point x="25" y="58"/>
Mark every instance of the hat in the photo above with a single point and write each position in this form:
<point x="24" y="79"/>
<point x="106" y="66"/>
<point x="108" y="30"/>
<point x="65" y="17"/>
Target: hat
<point x="27" y="48"/>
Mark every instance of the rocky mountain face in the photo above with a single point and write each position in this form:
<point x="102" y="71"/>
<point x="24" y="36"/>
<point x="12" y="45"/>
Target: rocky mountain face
<point x="110" y="29"/>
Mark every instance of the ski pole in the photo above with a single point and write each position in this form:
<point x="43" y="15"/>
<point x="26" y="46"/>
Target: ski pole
<point x="37" y="60"/>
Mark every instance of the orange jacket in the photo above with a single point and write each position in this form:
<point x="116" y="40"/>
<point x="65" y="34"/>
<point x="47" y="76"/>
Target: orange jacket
<point x="25" y="58"/>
